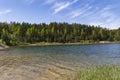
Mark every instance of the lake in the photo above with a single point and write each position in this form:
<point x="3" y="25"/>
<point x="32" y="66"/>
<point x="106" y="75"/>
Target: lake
<point x="54" y="62"/>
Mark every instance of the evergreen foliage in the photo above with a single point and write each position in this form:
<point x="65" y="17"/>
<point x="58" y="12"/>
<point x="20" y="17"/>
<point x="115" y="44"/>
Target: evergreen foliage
<point x="15" y="33"/>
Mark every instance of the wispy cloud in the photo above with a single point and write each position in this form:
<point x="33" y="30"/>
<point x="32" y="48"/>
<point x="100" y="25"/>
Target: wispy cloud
<point x="3" y="12"/>
<point x="113" y="24"/>
<point x="30" y="1"/>
<point x="49" y="1"/>
<point x="105" y="17"/>
<point x="80" y="11"/>
<point x="58" y="6"/>
<point x="92" y="12"/>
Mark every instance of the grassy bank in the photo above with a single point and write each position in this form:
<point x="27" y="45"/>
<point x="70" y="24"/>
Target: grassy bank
<point x="106" y="72"/>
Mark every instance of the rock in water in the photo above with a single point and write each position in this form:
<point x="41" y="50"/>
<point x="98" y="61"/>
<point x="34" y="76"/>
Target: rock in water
<point x="3" y="47"/>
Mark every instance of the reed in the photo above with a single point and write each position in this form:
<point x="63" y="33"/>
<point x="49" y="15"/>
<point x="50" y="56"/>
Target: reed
<point x="105" y="72"/>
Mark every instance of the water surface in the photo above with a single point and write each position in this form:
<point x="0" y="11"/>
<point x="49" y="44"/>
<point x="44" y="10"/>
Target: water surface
<point x="54" y="62"/>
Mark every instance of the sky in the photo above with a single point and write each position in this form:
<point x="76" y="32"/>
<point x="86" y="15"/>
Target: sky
<point x="105" y="13"/>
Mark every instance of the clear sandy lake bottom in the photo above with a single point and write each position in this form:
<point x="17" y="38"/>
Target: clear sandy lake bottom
<point x="54" y="62"/>
<point x="35" y="68"/>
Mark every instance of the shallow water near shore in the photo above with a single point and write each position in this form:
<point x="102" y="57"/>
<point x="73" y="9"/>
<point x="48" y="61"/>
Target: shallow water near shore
<point x="54" y="62"/>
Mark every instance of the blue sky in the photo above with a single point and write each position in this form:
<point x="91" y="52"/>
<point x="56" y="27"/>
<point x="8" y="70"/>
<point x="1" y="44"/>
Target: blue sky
<point x="93" y="12"/>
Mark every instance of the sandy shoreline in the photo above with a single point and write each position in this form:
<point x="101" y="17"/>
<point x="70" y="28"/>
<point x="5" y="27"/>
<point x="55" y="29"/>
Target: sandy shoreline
<point x="60" y="44"/>
<point x="3" y="47"/>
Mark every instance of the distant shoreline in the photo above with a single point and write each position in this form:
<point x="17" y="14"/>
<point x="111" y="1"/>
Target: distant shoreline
<point x="60" y="44"/>
<point x="3" y="47"/>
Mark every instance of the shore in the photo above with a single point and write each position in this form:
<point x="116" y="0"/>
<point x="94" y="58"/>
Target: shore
<point x="60" y="44"/>
<point x="3" y="47"/>
<point x="62" y="66"/>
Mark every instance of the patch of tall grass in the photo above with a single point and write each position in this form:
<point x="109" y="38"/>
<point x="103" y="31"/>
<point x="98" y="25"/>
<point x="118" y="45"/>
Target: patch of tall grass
<point x="106" y="72"/>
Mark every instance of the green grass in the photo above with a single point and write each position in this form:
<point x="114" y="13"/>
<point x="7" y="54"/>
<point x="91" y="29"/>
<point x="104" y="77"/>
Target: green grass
<point x="106" y="72"/>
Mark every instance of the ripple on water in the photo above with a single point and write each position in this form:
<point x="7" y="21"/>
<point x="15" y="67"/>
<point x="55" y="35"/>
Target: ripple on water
<point x="54" y="62"/>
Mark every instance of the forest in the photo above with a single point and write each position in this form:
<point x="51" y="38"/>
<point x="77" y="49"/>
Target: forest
<point x="15" y="33"/>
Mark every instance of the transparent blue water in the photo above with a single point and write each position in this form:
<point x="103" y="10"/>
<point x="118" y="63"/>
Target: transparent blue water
<point x="91" y="53"/>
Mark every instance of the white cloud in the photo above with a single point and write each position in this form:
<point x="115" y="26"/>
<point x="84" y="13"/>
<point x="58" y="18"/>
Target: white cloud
<point x="30" y="1"/>
<point x="3" y="12"/>
<point x="58" y="6"/>
<point x="94" y="15"/>
<point x="106" y="18"/>
<point x="114" y="24"/>
<point x="49" y="1"/>
<point x="87" y="11"/>
<point x="80" y="12"/>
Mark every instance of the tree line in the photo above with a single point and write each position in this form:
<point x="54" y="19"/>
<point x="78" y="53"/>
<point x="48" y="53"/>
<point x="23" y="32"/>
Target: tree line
<point x="15" y="33"/>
